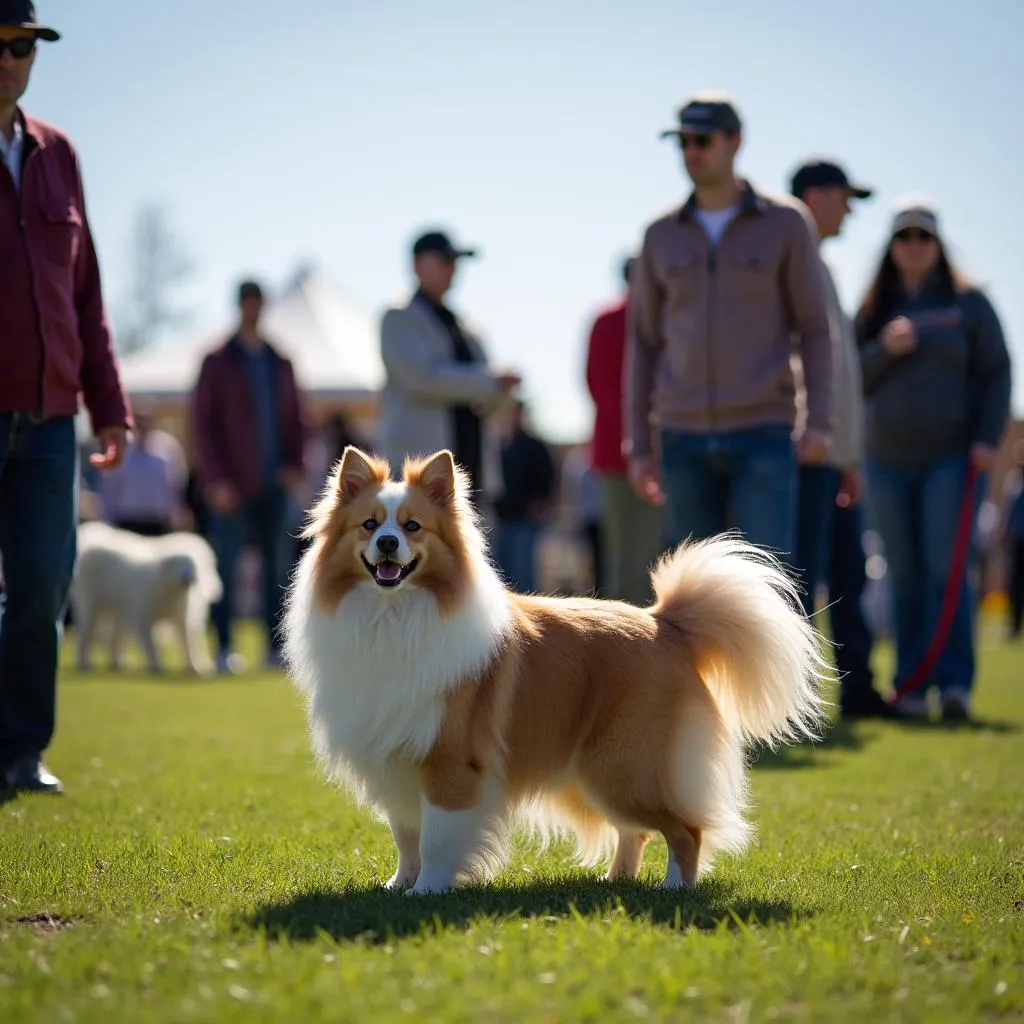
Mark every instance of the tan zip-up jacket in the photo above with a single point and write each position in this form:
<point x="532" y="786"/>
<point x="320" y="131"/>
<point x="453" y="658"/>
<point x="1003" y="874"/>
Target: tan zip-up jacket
<point x="712" y="329"/>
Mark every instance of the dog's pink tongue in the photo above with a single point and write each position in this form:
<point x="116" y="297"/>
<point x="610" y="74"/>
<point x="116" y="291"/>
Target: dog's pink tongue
<point x="388" y="571"/>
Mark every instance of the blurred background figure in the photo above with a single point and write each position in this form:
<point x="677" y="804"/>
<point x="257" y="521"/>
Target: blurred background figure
<point x="723" y="289"/>
<point x="146" y="493"/>
<point x="632" y="530"/>
<point x="1013" y="538"/>
<point x="830" y="512"/>
<point x="440" y="389"/>
<point x="526" y="502"/>
<point x="581" y="501"/>
<point x="937" y="382"/>
<point x="249" y="430"/>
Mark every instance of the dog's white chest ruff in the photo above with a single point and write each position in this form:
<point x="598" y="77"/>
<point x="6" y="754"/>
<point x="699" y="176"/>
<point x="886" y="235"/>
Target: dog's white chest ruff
<point x="376" y="670"/>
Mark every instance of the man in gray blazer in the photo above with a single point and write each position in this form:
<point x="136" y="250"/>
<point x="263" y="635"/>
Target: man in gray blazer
<point x="439" y="388"/>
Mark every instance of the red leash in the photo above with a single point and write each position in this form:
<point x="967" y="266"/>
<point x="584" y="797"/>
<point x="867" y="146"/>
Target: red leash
<point x="957" y="568"/>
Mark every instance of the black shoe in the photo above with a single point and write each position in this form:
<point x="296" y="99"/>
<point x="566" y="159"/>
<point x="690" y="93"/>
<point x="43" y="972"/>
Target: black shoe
<point x="871" y="705"/>
<point x="30" y="775"/>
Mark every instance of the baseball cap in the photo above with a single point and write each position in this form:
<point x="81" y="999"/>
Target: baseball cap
<point x="439" y="242"/>
<point x="915" y="212"/>
<point x="249" y="290"/>
<point x="826" y="174"/>
<point x="22" y="14"/>
<point x="706" y="112"/>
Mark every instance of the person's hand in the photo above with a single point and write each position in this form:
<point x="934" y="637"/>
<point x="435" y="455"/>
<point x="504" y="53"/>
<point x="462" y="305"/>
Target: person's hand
<point x="508" y="381"/>
<point x="851" y="487"/>
<point x="983" y="457"/>
<point x="113" y="443"/>
<point x="811" y="446"/>
<point x="222" y="498"/>
<point x="646" y="479"/>
<point x="899" y="337"/>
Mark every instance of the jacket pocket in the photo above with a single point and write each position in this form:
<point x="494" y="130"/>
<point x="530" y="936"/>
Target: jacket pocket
<point x="682" y="280"/>
<point x="751" y="276"/>
<point x="60" y="231"/>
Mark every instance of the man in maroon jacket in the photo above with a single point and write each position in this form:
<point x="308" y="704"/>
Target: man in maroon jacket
<point x="54" y="345"/>
<point x="249" y="432"/>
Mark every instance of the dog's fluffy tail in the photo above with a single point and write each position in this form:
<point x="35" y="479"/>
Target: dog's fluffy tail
<point x="757" y="653"/>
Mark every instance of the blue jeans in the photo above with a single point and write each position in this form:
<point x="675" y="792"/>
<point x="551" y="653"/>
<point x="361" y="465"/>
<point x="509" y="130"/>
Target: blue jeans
<point x="516" y="553"/>
<point x="816" y="507"/>
<point x="38" y="535"/>
<point x="746" y="478"/>
<point x="917" y="509"/>
<point x="263" y="518"/>
<point x="847" y="578"/>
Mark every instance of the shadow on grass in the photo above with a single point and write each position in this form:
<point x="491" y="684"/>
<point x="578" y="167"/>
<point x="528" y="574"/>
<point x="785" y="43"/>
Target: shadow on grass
<point x="842" y="735"/>
<point x="377" y="915"/>
<point x="966" y="725"/>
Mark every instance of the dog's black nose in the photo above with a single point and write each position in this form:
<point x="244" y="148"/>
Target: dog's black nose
<point x="388" y="544"/>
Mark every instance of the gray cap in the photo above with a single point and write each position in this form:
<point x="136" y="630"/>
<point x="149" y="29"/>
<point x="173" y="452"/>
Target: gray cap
<point x="706" y="112"/>
<point x="915" y="213"/>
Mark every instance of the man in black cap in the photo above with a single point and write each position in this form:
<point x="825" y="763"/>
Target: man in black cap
<point x="439" y="388"/>
<point x="54" y="346"/>
<point x="830" y="520"/>
<point x="722" y="290"/>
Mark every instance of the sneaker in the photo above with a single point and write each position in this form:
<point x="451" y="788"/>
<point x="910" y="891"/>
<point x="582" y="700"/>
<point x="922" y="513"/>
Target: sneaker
<point x="956" y="705"/>
<point x="870" y="704"/>
<point x="914" y="705"/>
<point x="30" y="775"/>
<point x="230" y="664"/>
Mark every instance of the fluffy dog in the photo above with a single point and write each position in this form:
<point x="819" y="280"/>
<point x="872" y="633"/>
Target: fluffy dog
<point x="128" y="582"/>
<point x="456" y="708"/>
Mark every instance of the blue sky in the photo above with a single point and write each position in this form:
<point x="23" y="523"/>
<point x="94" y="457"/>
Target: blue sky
<point x="528" y="129"/>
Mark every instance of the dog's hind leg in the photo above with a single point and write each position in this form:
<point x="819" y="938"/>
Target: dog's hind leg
<point x="407" y="842"/>
<point x="683" y="855"/>
<point x="144" y="629"/>
<point x="85" y="627"/>
<point x="629" y="854"/>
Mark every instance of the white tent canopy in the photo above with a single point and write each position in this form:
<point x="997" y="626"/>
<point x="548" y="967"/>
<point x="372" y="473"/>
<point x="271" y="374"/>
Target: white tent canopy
<point x="334" y="346"/>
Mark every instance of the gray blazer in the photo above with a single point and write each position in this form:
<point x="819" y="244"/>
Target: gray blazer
<point x="423" y="382"/>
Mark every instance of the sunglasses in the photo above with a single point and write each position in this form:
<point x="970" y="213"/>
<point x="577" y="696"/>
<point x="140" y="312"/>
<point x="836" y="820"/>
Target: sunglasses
<point x="697" y="141"/>
<point x="20" y="48"/>
<point x="914" y="235"/>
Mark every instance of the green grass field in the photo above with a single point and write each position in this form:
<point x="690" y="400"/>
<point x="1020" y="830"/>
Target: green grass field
<point x="199" y="869"/>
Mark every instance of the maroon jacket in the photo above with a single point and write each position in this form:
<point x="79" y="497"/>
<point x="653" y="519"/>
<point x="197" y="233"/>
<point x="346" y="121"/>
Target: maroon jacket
<point x="54" y="338"/>
<point x="224" y="423"/>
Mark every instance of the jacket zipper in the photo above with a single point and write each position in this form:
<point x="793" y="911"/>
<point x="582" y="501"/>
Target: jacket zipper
<point x="32" y="278"/>
<point x="712" y="299"/>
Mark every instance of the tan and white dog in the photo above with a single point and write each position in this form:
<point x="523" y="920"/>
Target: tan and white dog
<point x="127" y="583"/>
<point x="456" y="708"/>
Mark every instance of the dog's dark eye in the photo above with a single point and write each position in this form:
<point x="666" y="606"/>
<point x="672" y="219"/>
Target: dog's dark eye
<point x="370" y="524"/>
<point x="412" y="526"/>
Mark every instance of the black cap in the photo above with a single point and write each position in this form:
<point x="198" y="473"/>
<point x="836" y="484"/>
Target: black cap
<point x="825" y="174"/>
<point x="22" y="14"/>
<point x="439" y="242"/>
<point x="704" y="113"/>
<point x="249" y="290"/>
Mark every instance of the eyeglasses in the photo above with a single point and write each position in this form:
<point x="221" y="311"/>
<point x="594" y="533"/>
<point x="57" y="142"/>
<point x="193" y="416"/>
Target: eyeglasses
<point x="20" y="48"/>
<point x="914" y="235"/>
<point x="699" y="141"/>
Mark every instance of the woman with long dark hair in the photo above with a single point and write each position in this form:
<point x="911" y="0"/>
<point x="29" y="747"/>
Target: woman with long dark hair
<point x="937" y="387"/>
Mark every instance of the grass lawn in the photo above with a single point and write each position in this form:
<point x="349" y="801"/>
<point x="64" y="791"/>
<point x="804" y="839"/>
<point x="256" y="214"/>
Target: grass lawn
<point x="199" y="869"/>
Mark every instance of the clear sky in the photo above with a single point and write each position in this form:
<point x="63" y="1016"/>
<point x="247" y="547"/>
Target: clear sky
<point x="529" y="129"/>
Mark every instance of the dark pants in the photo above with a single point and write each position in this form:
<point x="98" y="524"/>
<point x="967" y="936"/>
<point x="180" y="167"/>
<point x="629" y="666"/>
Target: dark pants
<point x="917" y="509"/>
<point x="38" y="533"/>
<point x="746" y="478"/>
<point x="516" y="553"/>
<point x="816" y="507"/>
<point x="1015" y="585"/>
<point x="847" y="578"/>
<point x="144" y="527"/>
<point x="263" y="517"/>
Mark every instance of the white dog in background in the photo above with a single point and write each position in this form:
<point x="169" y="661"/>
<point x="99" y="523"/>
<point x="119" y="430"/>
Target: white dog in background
<point x="129" y="583"/>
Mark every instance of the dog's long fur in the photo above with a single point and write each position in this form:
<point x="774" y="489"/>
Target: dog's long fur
<point x="456" y="708"/>
<point x="130" y="583"/>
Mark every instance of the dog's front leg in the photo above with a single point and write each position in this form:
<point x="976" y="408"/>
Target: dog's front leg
<point x="461" y="825"/>
<point x="407" y="841"/>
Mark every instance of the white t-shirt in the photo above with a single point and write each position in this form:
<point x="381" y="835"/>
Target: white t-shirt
<point x="714" y="222"/>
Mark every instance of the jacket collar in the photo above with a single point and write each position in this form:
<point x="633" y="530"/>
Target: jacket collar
<point x="751" y="201"/>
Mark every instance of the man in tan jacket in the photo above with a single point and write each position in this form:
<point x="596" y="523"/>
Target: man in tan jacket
<point x="724" y="288"/>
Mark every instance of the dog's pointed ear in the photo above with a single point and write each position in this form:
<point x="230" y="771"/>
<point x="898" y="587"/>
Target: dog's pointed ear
<point x="356" y="472"/>
<point x="437" y="476"/>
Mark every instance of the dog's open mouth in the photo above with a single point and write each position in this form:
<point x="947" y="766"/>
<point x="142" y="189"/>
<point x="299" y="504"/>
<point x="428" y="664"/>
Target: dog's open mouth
<point x="388" y="573"/>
